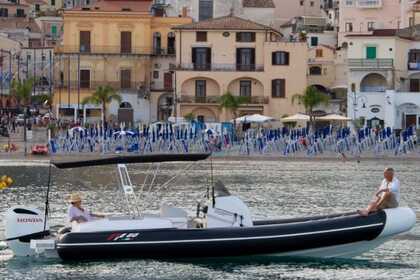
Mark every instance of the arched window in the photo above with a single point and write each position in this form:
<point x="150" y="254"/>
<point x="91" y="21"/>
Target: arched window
<point x="125" y="105"/>
<point x="280" y="58"/>
<point x="315" y="70"/>
<point x="171" y="43"/>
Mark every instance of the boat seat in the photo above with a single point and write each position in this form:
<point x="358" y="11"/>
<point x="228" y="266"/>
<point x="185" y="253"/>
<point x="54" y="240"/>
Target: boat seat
<point x="177" y="216"/>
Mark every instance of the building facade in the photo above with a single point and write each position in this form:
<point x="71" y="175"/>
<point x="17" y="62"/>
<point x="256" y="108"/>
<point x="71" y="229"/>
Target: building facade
<point x="120" y="44"/>
<point x="384" y="78"/>
<point x="231" y="54"/>
<point x="363" y="16"/>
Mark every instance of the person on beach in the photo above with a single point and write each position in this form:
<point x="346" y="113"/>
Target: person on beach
<point x="387" y="196"/>
<point x="78" y="214"/>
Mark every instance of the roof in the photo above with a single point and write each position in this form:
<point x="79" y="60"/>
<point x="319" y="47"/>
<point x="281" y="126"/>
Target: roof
<point x="33" y="2"/>
<point x="224" y="23"/>
<point x="376" y="33"/>
<point x="258" y="4"/>
<point x="125" y="6"/>
<point x="19" y="23"/>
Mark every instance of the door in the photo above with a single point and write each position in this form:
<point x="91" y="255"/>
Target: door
<point x="245" y="59"/>
<point x="125" y="78"/>
<point x="410" y="120"/>
<point x="84" y="41"/>
<point x="167" y="81"/>
<point x="414" y="85"/>
<point x="125" y="42"/>
<point x="371" y="52"/>
<point x="201" y="58"/>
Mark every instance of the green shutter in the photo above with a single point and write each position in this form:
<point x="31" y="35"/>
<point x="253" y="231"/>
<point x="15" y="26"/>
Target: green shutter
<point x="371" y="52"/>
<point x="54" y="30"/>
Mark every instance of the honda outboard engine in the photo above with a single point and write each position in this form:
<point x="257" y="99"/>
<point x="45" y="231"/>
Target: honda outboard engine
<point x="21" y="225"/>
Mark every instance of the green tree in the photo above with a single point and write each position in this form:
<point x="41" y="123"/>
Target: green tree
<point x="232" y="103"/>
<point x="22" y="91"/>
<point x="103" y="95"/>
<point x="311" y="98"/>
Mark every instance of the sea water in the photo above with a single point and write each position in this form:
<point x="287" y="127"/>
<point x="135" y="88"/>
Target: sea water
<point x="270" y="188"/>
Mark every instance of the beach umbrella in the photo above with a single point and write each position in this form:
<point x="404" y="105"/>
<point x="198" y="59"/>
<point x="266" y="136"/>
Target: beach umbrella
<point x="333" y="117"/>
<point x="295" y="118"/>
<point x="255" y="118"/>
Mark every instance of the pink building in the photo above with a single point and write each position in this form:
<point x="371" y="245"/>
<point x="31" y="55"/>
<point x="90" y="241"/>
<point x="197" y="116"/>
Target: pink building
<point x="287" y="9"/>
<point x="362" y="16"/>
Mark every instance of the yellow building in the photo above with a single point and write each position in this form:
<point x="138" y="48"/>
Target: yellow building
<point x="116" y="43"/>
<point x="231" y="54"/>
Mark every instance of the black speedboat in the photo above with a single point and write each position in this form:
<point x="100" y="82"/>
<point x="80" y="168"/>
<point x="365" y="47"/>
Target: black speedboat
<point x="222" y="227"/>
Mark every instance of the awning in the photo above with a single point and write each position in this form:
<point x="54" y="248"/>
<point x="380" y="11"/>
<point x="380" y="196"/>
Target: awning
<point x="334" y="117"/>
<point x="296" y="117"/>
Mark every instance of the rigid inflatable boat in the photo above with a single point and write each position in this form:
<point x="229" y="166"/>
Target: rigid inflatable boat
<point x="221" y="227"/>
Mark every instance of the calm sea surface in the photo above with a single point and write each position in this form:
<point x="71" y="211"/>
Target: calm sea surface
<point x="270" y="188"/>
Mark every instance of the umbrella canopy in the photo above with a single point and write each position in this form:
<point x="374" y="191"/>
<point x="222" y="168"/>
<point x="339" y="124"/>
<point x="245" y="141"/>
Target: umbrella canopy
<point x="334" y="117"/>
<point x="255" y="118"/>
<point x="296" y="117"/>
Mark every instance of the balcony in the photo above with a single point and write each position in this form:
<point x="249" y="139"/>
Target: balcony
<point x="220" y="67"/>
<point x="133" y="87"/>
<point x="364" y="64"/>
<point x="253" y="100"/>
<point x="160" y="51"/>
<point x="101" y="50"/>
<point x="369" y="4"/>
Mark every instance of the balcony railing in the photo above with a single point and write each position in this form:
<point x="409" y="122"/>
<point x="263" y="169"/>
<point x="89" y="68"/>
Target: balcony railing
<point x="160" y="51"/>
<point x="379" y="63"/>
<point x="92" y="85"/>
<point x="105" y="50"/>
<point x="369" y="4"/>
<point x="214" y="99"/>
<point x="220" y="67"/>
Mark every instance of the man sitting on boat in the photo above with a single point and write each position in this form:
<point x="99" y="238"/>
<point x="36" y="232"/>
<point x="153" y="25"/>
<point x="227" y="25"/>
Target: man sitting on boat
<point x="387" y="196"/>
<point x="78" y="214"/>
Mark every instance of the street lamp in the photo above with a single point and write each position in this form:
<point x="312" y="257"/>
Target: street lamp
<point x="357" y="99"/>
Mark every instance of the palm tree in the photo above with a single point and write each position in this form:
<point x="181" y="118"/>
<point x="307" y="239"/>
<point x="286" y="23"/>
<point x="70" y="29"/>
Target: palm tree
<point x="311" y="98"/>
<point x="103" y="95"/>
<point x="189" y="117"/>
<point x="22" y="91"/>
<point x="232" y="103"/>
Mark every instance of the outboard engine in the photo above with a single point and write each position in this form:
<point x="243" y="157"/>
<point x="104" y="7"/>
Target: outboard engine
<point x="21" y="225"/>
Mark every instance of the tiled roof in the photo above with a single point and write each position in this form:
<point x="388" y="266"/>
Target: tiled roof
<point x="19" y="23"/>
<point x="258" y="3"/>
<point x="117" y="6"/>
<point x="224" y="23"/>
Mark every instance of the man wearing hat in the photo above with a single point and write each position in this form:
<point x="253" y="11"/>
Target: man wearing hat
<point x="78" y="214"/>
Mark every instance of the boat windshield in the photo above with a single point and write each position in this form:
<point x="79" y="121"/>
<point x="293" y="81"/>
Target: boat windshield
<point x="220" y="189"/>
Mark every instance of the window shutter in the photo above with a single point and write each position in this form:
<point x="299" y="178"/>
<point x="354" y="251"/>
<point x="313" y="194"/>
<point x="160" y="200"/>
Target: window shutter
<point x="273" y="88"/>
<point x="193" y="55"/>
<point x="253" y="55"/>
<point x="238" y="36"/>
<point x="273" y="58"/>
<point x="286" y="58"/>
<point x="208" y="56"/>
<point x="282" y="87"/>
<point x="253" y="37"/>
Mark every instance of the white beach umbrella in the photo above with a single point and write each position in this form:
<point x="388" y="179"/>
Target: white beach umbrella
<point x="334" y="117"/>
<point x="296" y="117"/>
<point x="255" y="118"/>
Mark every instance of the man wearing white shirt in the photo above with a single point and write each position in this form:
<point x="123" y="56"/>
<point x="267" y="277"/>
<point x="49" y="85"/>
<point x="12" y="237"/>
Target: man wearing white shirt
<point x="387" y="196"/>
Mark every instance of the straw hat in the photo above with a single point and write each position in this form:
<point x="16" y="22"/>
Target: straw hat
<point x="75" y="197"/>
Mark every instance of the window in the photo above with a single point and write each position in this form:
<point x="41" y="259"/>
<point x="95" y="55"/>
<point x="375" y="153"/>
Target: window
<point x="53" y="30"/>
<point x="314" y="41"/>
<point x="125" y="43"/>
<point x="370" y="25"/>
<point x="201" y="36"/>
<point x="171" y="43"/>
<point x="20" y="13"/>
<point x="245" y="37"/>
<point x="278" y="88"/>
<point x="37" y="8"/>
<point x="301" y="2"/>
<point x="312" y="3"/>
<point x="349" y="27"/>
<point x="349" y="2"/>
<point x="245" y="59"/>
<point x="245" y="88"/>
<point x="28" y="57"/>
<point x="167" y="81"/>
<point x="319" y="53"/>
<point x="315" y="71"/>
<point x="155" y="74"/>
<point x="43" y="58"/>
<point x="52" y="2"/>
<point x="201" y="58"/>
<point x="200" y="89"/>
<point x="157" y="48"/>
<point x="414" y="85"/>
<point x="84" y="41"/>
<point x="205" y="9"/>
<point x="4" y="12"/>
<point x="280" y="58"/>
<point x="411" y="21"/>
<point x="125" y="78"/>
<point x="370" y="52"/>
<point x="84" y="78"/>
